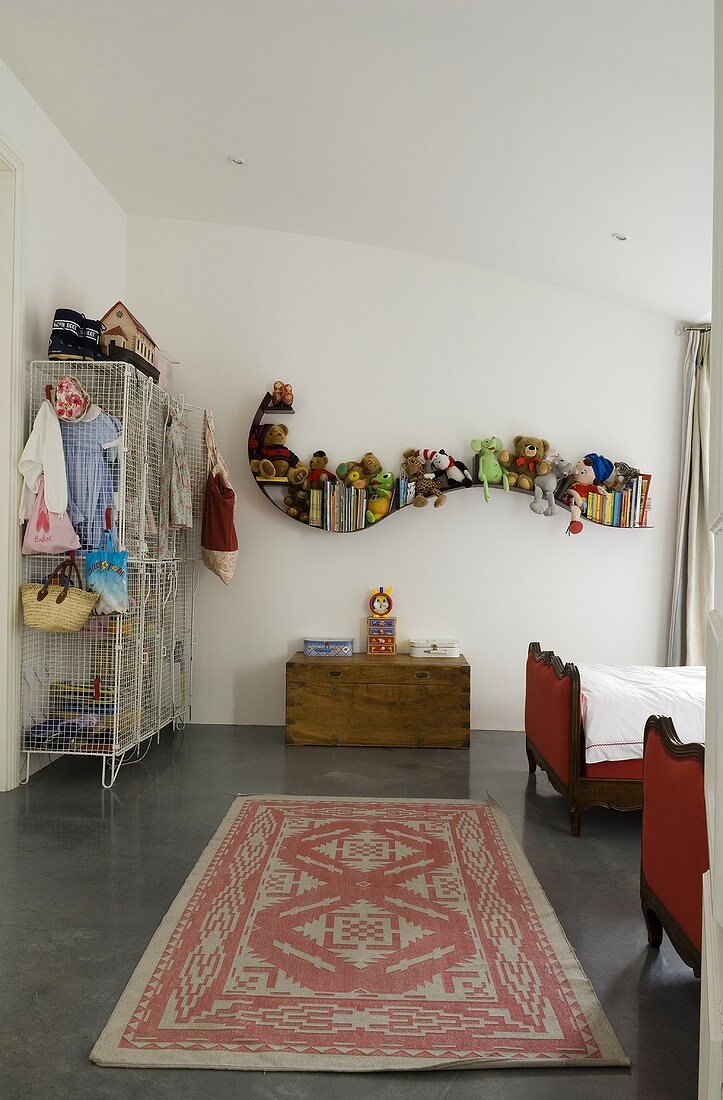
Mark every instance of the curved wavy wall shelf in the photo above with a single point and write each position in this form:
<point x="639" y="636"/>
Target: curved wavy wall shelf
<point x="274" y="489"/>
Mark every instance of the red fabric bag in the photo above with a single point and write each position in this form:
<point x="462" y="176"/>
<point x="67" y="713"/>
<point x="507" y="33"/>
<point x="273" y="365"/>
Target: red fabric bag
<point x="219" y="544"/>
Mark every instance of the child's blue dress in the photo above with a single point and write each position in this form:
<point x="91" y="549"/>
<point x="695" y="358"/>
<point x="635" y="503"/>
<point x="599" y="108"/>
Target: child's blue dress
<point x="91" y="452"/>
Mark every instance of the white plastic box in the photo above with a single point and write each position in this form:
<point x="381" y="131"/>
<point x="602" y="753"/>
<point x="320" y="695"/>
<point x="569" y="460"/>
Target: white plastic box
<point x="433" y="647"/>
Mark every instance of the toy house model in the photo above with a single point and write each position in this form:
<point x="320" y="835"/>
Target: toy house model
<point x="123" y="330"/>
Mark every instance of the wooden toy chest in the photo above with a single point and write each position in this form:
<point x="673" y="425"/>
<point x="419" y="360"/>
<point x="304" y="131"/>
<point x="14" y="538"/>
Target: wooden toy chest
<point x="392" y="700"/>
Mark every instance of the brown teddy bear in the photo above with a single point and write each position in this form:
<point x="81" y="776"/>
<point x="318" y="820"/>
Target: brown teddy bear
<point x="527" y="462"/>
<point x="297" y="504"/>
<point x="270" y="457"/>
<point x="359" y="473"/>
<point x="352" y="473"/>
<point x="318" y="472"/>
<point x="371" y="465"/>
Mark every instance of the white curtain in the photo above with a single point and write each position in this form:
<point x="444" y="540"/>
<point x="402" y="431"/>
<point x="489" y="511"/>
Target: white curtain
<point x="693" y="572"/>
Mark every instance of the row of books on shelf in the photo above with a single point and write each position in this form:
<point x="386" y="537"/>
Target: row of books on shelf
<point x="406" y="490"/>
<point x="334" y="506"/>
<point x="626" y="507"/>
<point x="337" y="507"/>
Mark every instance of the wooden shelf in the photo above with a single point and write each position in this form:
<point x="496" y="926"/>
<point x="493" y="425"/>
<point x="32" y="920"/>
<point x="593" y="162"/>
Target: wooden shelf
<point x="267" y="406"/>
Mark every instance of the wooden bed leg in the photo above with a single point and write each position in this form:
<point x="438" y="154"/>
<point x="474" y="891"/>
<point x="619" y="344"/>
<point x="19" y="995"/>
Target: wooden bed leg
<point x="575" y="822"/>
<point x="654" y="927"/>
<point x="532" y="763"/>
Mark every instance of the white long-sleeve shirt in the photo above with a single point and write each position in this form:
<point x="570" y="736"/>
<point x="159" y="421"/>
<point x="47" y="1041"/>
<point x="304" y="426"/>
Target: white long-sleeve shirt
<point x="43" y="454"/>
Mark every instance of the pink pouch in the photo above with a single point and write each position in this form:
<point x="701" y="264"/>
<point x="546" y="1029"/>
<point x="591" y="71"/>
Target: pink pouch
<point x="48" y="532"/>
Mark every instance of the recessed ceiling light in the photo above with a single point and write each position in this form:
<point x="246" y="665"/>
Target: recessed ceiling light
<point x="236" y="160"/>
<point x="620" y="237"/>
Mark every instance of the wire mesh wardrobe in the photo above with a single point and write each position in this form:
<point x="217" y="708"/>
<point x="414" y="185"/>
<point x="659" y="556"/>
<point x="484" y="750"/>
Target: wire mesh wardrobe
<point x="106" y="690"/>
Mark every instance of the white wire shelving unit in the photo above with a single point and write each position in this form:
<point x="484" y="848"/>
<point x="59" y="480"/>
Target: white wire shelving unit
<point x="108" y="689"/>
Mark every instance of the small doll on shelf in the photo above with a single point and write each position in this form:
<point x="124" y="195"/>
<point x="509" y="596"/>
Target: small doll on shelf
<point x="589" y="476"/>
<point x="282" y="395"/>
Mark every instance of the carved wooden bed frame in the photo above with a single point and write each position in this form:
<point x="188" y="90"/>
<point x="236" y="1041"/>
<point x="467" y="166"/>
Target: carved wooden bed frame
<point x="674" y="822"/>
<point x="555" y="741"/>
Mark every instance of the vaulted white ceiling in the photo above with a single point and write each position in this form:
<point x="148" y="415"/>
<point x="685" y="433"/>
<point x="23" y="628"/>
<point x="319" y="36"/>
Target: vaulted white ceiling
<point x="517" y="135"/>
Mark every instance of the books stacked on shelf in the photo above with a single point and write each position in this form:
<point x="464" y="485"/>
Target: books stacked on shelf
<point x="406" y="491"/>
<point x="337" y="507"/>
<point x="628" y="507"/>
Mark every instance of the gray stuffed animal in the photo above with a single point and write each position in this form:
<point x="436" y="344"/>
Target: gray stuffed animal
<point x="546" y="484"/>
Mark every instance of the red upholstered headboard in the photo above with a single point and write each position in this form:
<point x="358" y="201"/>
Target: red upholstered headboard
<point x="552" y="708"/>
<point x="675" y="838"/>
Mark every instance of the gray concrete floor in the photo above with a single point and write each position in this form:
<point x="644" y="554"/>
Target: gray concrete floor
<point x="86" y="876"/>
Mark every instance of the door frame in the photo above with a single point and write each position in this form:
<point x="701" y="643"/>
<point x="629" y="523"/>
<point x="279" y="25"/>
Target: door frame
<point x="10" y="490"/>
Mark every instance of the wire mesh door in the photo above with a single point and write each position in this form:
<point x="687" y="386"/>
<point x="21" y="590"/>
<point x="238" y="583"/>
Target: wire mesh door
<point x="183" y="641"/>
<point x="150" y="650"/>
<point x="168" y="572"/>
<point x="79" y="691"/>
<point x="105" y="451"/>
<point x="162" y="540"/>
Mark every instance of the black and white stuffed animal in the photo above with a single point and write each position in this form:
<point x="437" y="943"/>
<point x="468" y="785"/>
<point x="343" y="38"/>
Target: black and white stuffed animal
<point x="442" y="463"/>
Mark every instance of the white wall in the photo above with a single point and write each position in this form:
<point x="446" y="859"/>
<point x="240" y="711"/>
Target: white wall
<point x="72" y="253"/>
<point x="387" y="350"/>
<point x="74" y="232"/>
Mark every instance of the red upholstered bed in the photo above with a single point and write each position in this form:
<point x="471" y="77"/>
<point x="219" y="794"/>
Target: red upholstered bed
<point x="555" y="742"/>
<point x="674" y="853"/>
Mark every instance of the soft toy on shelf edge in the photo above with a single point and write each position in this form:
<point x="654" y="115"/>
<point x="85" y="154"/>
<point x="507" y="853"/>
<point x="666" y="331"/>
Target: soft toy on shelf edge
<point x="381" y="493"/>
<point x="590" y="475"/>
<point x="318" y="472"/>
<point x="546" y="485"/>
<point x="297" y="503"/>
<point x="424" y="484"/>
<point x="441" y="462"/>
<point x="489" y="470"/>
<point x="352" y="473"/>
<point x="527" y="461"/>
<point x="359" y="473"/>
<point x="371" y="465"/>
<point x="621" y="476"/>
<point x="270" y="457"/>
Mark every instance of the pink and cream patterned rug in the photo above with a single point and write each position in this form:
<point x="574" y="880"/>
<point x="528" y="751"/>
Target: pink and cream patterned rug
<point x="359" y="934"/>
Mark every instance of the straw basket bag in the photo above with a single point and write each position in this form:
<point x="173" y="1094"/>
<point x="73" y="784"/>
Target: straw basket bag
<point x="58" y="608"/>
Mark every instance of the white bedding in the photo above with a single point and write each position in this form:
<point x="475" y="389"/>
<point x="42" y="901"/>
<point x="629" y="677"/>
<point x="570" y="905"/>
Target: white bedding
<point x="617" y="700"/>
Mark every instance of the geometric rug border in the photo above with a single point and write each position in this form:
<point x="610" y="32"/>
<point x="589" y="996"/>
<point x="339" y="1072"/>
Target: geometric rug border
<point x="107" y="1051"/>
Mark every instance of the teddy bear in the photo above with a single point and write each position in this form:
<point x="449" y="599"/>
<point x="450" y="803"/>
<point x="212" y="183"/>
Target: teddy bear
<point x="589" y="476"/>
<point x="368" y="464"/>
<point x="371" y="465"/>
<point x="352" y="473"/>
<point x="270" y="457"/>
<point x="297" y="504"/>
<point x="318" y="472"/>
<point x="381" y="491"/>
<point x="527" y="461"/>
